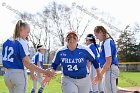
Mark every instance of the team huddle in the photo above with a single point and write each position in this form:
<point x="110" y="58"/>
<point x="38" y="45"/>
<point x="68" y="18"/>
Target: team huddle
<point x="90" y="68"/>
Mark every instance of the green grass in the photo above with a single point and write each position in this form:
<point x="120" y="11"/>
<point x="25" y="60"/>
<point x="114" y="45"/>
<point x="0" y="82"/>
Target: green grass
<point x="129" y="79"/>
<point x="53" y="87"/>
<point x="126" y="79"/>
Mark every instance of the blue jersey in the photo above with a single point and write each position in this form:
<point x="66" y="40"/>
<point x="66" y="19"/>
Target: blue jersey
<point x="74" y="63"/>
<point x="94" y="50"/>
<point x="108" y="49"/>
<point x="13" y="52"/>
<point x="38" y="57"/>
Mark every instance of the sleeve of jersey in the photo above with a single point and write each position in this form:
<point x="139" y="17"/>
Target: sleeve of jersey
<point x="107" y="48"/>
<point x="55" y="61"/>
<point x="24" y="51"/>
<point x="91" y="57"/>
<point x="40" y="56"/>
<point x="95" y="51"/>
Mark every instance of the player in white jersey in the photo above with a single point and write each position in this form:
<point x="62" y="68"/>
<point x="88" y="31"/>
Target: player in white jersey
<point x="108" y="59"/>
<point x="73" y="59"/>
<point x="91" y="42"/>
<point x="15" y="55"/>
<point x="38" y="60"/>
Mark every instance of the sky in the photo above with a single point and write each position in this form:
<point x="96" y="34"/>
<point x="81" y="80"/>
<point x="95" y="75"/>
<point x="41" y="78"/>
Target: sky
<point x="124" y="11"/>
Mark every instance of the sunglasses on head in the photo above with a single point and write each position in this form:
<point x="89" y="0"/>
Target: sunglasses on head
<point x="72" y="36"/>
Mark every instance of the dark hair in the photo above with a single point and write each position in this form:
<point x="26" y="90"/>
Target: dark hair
<point x="92" y="39"/>
<point x="19" y="24"/>
<point x="38" y="46"/>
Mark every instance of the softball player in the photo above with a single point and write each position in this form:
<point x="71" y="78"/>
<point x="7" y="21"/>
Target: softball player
<point x="38" y="59"/>
<point x="73" y="59"/>
<point x="15" y="56"/>
<point x="91" y="42"/>
<point x="108" y="59"/>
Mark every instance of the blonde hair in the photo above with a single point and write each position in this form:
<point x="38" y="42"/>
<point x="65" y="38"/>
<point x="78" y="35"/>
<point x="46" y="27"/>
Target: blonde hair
<point x="17" y="30"/>
<point x="104" y="31"/>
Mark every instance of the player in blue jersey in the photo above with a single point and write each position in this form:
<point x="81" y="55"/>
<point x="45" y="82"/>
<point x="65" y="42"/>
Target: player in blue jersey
<point x="73" y="59"/>
<point x="15" y="55"/>
<point x="108" y="59"/>
<point x="38" y="59"/>
<point x="91" y="42"/>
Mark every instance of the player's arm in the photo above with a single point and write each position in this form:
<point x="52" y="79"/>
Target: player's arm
<point x="103" y="70"/>
<point x="106" y="65"/>
<point x="24" y="55"/>
<point x="32" y="75"/>
<point x="55" y="62"/>
<point x="108" y="56"/>
<point x="95" y="52"/>
<point x="91" y="57"/>
<point x="38" y="64"/>
<point x="47" y="78"/>
<point x="27" y="63"/>
<point x="89" y="65"/>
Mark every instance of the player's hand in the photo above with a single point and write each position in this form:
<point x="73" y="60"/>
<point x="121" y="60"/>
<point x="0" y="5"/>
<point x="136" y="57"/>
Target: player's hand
<point x="50" y="72"/>
<point x="100" y="76"/>
<point x="46" y="80"/>
<point x="97" y="79"/>
<point x="33" y="76"/>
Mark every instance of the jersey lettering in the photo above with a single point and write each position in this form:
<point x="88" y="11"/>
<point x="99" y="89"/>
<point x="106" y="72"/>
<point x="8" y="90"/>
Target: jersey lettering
<point x="7" y="56"/>
<point x="72" y="68"/>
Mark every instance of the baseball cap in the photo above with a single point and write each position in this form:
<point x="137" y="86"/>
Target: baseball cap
<point x="71" y="32"/>
<point x="90" y="36"/>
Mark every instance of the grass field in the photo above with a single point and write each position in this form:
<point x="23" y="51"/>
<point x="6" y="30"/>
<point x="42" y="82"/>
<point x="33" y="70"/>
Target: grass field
<point x="53" y="87"/>
<point x="126" y="79"/>
<point x="129" y="79"/>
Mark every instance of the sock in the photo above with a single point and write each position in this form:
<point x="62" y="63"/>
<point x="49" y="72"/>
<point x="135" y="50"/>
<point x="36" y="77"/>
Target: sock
<point x="40" y="90"/>
<point x="33" y="91"/>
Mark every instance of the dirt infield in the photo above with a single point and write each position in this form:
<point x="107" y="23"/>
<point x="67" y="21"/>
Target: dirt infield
<point x="129" y="90"/>
<point x="134" y="88"/>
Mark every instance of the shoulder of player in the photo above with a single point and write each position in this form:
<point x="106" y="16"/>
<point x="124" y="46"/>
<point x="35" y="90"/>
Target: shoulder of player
<point x="37" y="53"/>
<point x="107" y="41"/>
<point x="84" y="47"/>
<point x="89" y="45"/>
<point x="22" y="42"/>
<point x="40" y="54"/>
<point x="62" y="49"/>
<point x="92" y="46"/>
<point x="8" y="40"/>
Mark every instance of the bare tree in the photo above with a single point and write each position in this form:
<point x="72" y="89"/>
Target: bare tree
<point x="64" y="21"/>
<point x="49" y="26"/>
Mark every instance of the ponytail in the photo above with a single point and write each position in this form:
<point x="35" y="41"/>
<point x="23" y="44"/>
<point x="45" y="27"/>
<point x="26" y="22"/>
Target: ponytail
<point x="94" y="42"/>
<point x="110" y="36"/>
<point x="17" y="30"/>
